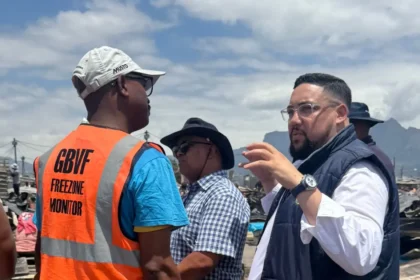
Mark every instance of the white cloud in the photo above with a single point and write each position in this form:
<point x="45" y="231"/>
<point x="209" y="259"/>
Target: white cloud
<point x="314" y="27"/>
<point x="58" y="42"/>
<point x="264" y="65"/>
<point x="239" y="84"/>
<point x="244" y="107"/>
<point x="239" y="46"/>
<point x="37" y="116"/>
<point x="161" y="3"/>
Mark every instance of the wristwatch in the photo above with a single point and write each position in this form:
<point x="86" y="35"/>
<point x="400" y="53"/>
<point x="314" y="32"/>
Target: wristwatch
<point x="308" y="183"/>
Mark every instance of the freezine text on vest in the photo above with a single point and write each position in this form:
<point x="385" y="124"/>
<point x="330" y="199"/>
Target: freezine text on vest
<point x="67" y="186"/>
<point x="66" y="206"/>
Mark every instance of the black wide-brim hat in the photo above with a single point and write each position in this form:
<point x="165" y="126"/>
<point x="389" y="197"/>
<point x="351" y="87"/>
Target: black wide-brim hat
<point x="200" y="128"/>
<point x="360" y="112"/>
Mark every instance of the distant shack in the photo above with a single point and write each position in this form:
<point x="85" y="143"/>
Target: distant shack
<point x="408" y="185"/>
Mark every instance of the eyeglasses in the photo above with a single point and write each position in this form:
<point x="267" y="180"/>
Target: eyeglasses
<point x="304" y="110"/>
<point x="185" y="146"/>
<point x="146" y="82"/>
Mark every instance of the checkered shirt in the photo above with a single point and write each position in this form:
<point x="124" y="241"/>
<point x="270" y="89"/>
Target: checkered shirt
<point x="219" y="217"/>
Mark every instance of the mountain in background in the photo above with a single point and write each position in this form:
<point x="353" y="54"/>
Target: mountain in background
<point x="396" y="141"/>
<point x="28" y="169"/>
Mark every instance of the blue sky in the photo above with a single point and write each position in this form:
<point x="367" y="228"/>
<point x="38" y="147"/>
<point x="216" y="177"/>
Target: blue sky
<point x="231" y="62"/>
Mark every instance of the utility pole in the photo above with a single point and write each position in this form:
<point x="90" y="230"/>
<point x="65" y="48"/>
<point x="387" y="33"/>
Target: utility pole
<point x="394" y="164"/>
<point x="14" y="143"/>
<point x="146" y="135"/>
<point x="23" y="165"/>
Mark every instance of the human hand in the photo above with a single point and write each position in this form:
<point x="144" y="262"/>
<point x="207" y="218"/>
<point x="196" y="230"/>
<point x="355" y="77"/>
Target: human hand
<point x="266" y="179"/>
<point x="157" y="268"/>
<point x="268" y="162"/>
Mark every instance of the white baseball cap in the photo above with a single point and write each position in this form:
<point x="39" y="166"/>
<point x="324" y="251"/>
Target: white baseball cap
<point x="103" y="65"/>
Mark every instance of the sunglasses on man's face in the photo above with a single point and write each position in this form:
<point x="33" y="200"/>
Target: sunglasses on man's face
<point x="185" y="146"/>
<point x="146" y="82"/>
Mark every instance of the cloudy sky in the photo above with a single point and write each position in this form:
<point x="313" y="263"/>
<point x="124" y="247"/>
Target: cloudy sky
<point x="230" y="62"/>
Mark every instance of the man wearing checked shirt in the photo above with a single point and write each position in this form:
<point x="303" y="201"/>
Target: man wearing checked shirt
<point x="211" y="247"/>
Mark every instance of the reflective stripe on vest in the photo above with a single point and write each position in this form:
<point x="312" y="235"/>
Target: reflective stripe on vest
<point x="103" y="250"/>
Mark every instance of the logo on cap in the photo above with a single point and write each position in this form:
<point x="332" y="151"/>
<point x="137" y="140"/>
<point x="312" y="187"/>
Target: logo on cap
<point x="119" y="68"/>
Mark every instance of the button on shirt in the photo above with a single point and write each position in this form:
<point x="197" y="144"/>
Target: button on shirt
<point x="219" y="217"/>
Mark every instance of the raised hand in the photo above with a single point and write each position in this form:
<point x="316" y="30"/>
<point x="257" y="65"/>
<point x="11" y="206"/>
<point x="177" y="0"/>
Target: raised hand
<point x="266" y="161"/>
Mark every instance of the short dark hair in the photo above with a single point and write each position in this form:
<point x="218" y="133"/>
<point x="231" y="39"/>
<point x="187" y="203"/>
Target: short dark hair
<point x="78" y="84"/>
<point x="333" y="85"/>
<point x="93" y="99"/>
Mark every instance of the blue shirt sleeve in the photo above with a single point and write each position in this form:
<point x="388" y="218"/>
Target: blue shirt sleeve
<point x="151" y="198"/>
<point x="36" y="219"/>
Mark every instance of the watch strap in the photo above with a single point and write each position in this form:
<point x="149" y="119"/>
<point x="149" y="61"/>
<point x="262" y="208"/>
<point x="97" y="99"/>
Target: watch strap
<point x="308" y="183"/>
<point x="298" y="189"/>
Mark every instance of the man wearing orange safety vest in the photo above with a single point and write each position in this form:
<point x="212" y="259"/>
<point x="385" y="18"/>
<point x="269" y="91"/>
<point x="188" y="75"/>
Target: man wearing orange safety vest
<point x="107" y="202"/>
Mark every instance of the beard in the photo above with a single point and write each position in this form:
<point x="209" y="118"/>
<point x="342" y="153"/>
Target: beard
<point x="302" y="152"/>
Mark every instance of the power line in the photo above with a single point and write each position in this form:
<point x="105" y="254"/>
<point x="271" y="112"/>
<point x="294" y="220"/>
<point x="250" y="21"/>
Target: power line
<point x="24" y="154"/>
<point x="142" y="134"/>
<point x="19" y="150"/>
<point x="36" y="147"/>
<point x="4" y="145"/>
<point x="8" y="153"/>
<point x="155" y="135"/>
<point x="27" y="159"/>
<point x="14" y="148"/>
<point x="27" y="143"/>
<point x="33" y="148"/>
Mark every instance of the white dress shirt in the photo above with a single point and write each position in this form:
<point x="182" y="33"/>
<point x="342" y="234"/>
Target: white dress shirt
<point x="349" y="226"/>
<point x="268" y="199"/>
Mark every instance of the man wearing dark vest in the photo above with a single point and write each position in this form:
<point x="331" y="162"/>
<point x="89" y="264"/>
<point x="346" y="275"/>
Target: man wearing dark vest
<point x="107" y="202"/>
<point x="360" y="117"/>
<point x="336" y="215"/>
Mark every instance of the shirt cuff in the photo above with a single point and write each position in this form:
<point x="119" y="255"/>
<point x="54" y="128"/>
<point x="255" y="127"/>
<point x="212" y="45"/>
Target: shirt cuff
<point x="328" y="208"/>
<point x="267" y="200"/>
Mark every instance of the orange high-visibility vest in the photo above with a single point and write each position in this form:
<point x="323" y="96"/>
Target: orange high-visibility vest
<point x="80" y="182"/>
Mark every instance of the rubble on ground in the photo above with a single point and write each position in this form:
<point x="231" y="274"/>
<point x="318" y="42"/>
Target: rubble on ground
<point x="409" y="225"/>
<point x="409" y="204"/>
<point x="253" y="197"/>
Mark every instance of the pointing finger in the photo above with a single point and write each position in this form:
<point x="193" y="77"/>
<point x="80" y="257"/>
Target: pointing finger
<point x="254" y="164"/>
<point x="261" y="145"/>
<point x="257" y="154"/>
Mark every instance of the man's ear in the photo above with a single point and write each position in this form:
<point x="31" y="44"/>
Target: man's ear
<point x="213" y="152"/>
<point x="122" y="86"/>
<point x="342" y="113"/>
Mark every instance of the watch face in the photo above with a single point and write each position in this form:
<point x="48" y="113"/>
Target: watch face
<point x="310" y="181"/>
